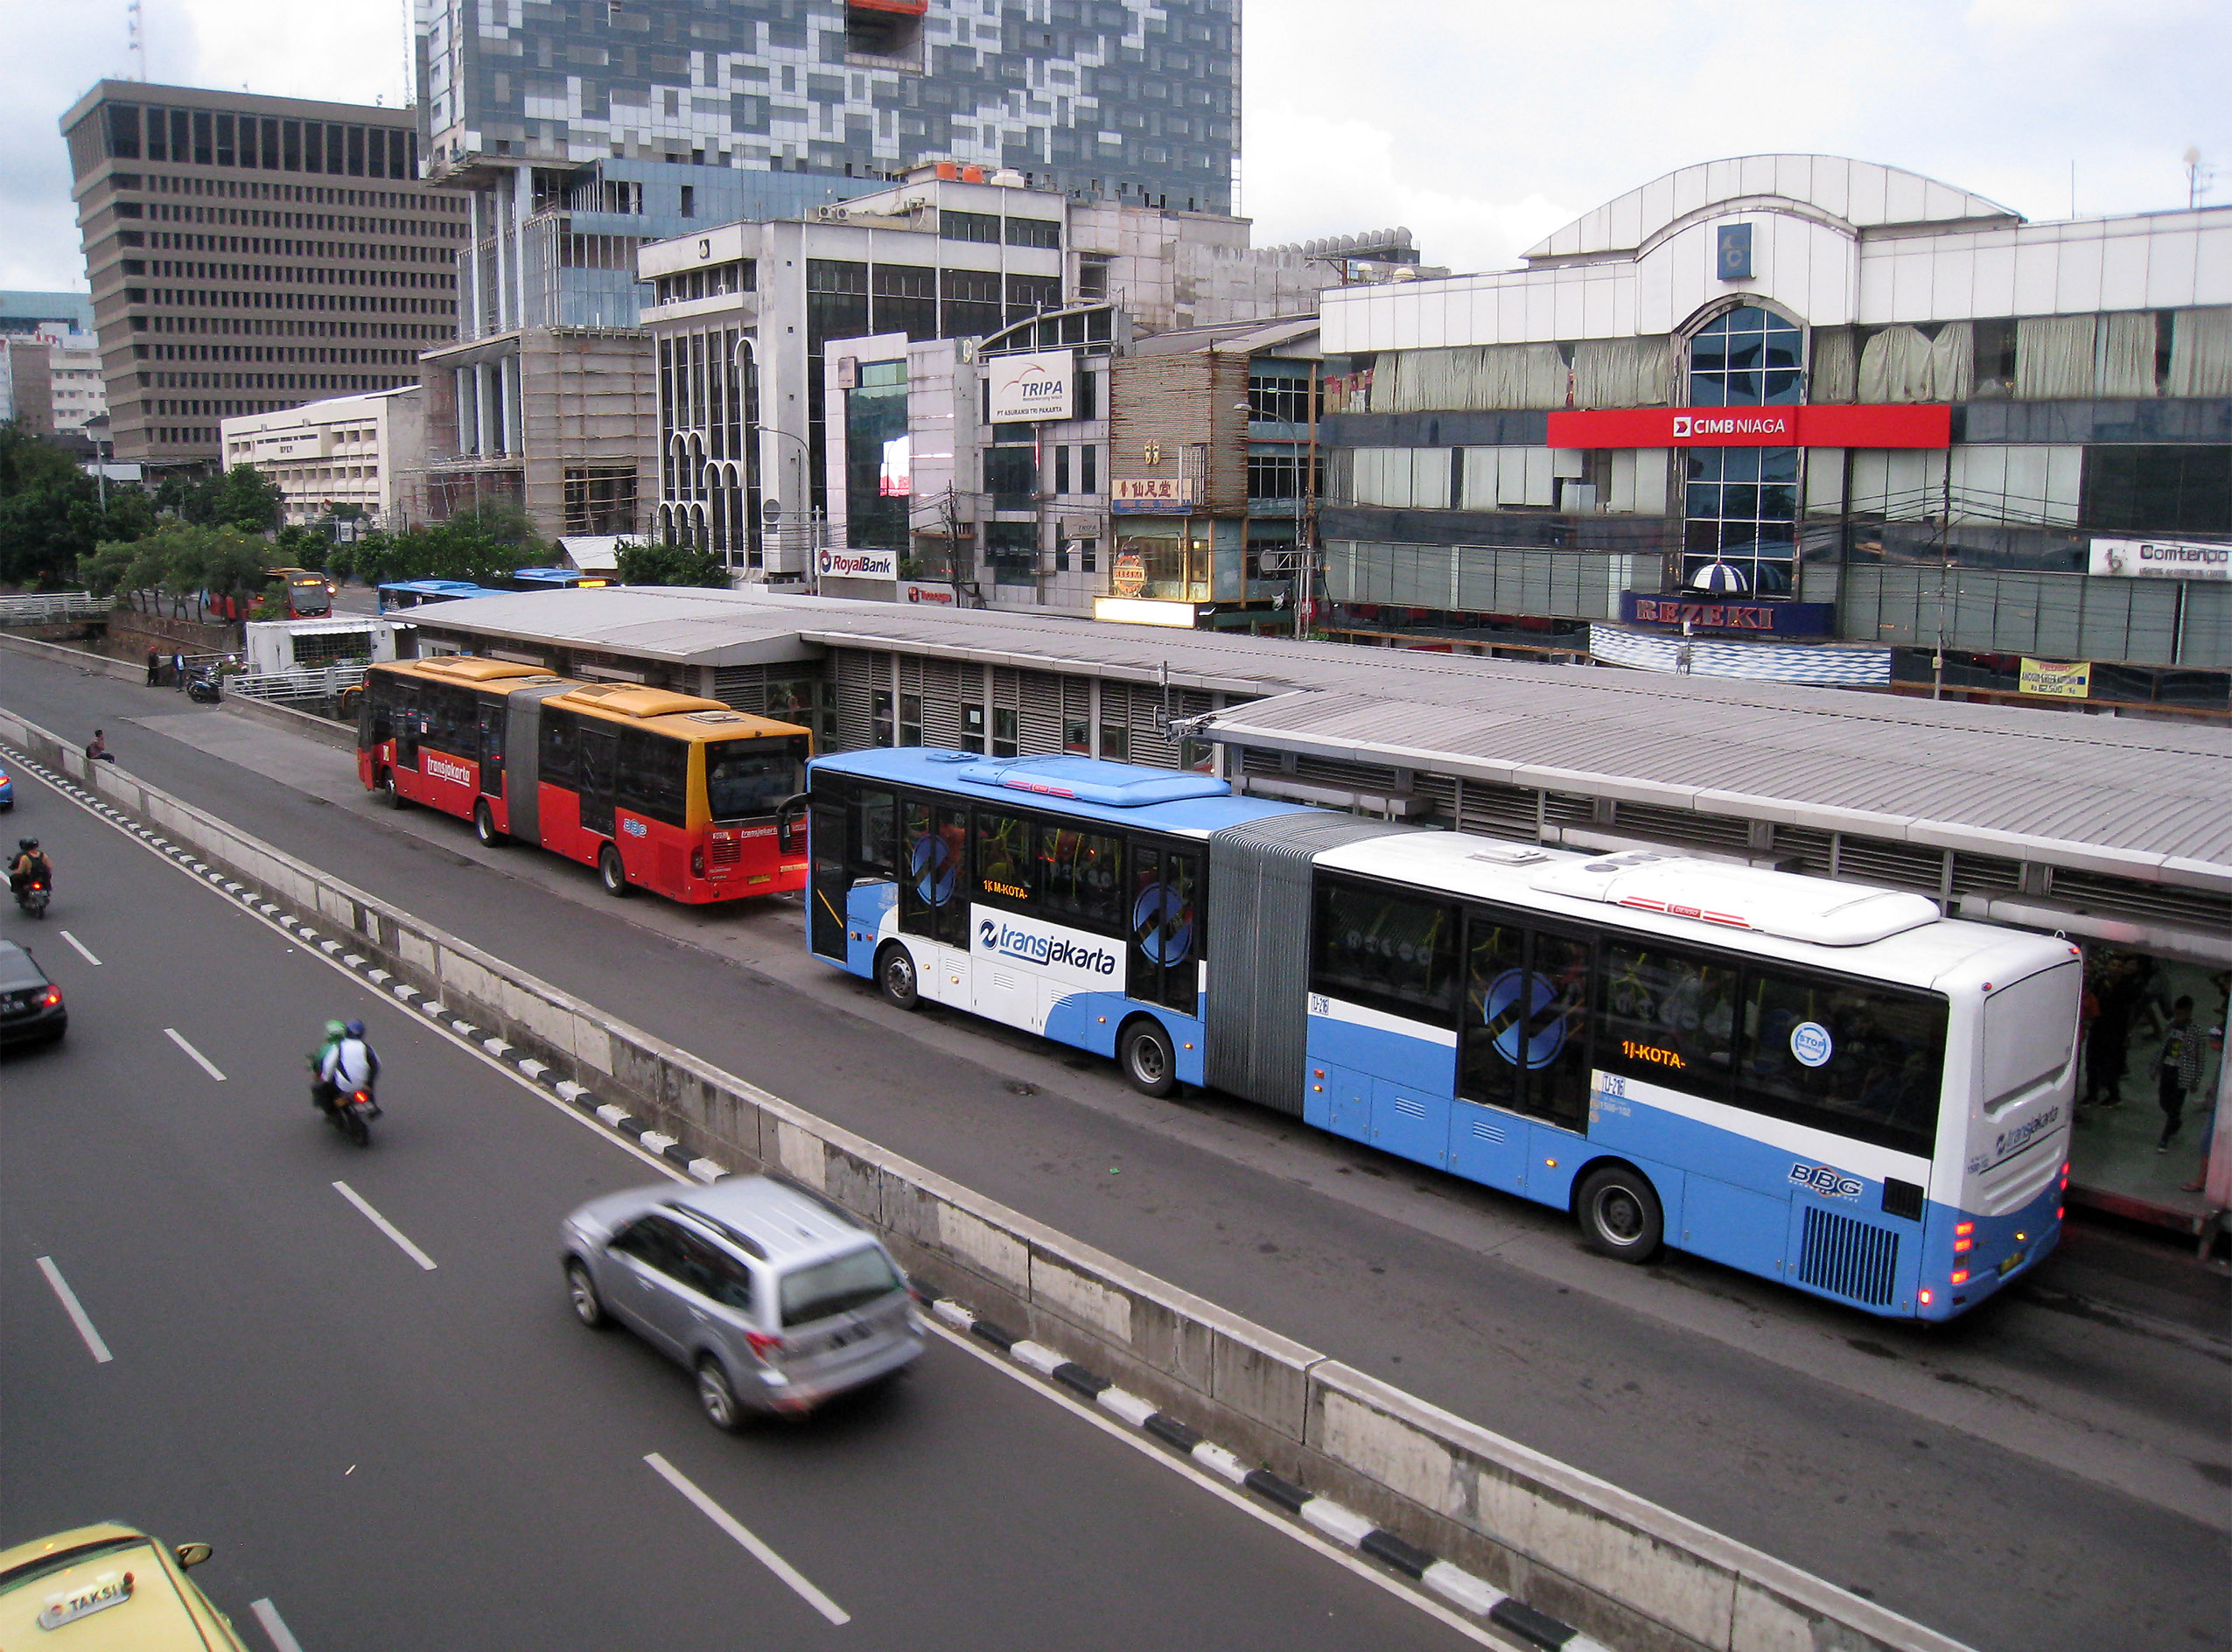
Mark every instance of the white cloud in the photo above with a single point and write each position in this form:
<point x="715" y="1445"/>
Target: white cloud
<point x="1471" y="121"/>
<point x="345" y="51"/>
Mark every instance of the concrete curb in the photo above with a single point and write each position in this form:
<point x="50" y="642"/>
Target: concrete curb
<point x="84" y="658"/>
<point x="1389" y="1469"/>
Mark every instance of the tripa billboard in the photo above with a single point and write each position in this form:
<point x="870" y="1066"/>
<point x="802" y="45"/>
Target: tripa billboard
<point x="1027" y="388"/>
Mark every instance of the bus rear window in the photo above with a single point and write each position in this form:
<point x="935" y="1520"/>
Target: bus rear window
<point x="2029" y="1031"/>
<point x="744" y="778"/>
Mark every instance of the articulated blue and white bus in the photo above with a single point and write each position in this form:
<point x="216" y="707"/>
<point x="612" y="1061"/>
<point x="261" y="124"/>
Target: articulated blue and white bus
<point x="1816" y="1082"/>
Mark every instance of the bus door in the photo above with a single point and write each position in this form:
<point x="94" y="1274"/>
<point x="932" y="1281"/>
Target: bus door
<point x="491" y="747"/>
<point x="408" y="724"/>
<point x="934" y="867"/>
<point x="599" y="757"/>
<point x="1163" y="962"/>
<point x="827" y="818"/>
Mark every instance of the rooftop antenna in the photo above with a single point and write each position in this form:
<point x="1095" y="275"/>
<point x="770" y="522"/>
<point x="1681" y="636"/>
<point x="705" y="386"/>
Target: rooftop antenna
<point x="2199" y="178"/>
<point x="136" y="35"/>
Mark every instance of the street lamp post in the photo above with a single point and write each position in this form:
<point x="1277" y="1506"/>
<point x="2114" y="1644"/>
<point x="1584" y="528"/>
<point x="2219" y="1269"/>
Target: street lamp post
<point x="1305" y="568"/>
<point x="102" y="449"/>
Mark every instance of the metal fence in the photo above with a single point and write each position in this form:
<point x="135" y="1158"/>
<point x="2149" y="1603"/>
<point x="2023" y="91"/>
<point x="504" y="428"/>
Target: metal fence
<point x="322" y="688"/>
<point x="53" y="608"/>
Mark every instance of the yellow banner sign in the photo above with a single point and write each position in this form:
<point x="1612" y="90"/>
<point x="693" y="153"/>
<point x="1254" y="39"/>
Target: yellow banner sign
<point x="2057" y="681"/>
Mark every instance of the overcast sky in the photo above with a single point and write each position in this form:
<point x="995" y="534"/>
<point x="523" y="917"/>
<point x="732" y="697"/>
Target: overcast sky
<point x="1481" y="124"/>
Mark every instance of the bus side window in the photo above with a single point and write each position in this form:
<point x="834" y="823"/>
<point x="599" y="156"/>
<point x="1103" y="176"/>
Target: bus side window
<point x="1392" y="951"/>
<point x="875" y="834"/>
<point x="1081" y="876"/>
<point x="559" y="740"/>
<point x="1668" y="1017"/>
<point x="1005" y="872"/>
<point x="1863" y="1061"/>
<point x="651" y="776"/>
<point x="934" y="898"/>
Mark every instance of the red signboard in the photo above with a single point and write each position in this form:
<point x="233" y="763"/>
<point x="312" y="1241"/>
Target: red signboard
<point x="1873" y="426"/>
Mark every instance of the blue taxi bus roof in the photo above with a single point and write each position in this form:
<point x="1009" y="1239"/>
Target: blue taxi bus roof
<point x="1089" y="788"/>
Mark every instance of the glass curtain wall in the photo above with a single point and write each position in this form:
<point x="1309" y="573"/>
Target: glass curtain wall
<point x="1740" y="504"/>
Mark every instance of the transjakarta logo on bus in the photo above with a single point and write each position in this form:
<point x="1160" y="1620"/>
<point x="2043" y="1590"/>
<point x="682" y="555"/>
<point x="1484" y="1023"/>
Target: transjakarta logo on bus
<point x="1041" y="947"/>
<point x="441" y="769"/>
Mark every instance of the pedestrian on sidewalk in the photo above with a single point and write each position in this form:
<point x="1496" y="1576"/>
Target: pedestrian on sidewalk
<point x="2180" y="1071"/>
<point x="154" y="666"/>
<point x="178" y="670"/>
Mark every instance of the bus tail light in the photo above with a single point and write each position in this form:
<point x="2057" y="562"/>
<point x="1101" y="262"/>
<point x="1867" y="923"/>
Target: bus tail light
<point x="698" y="861"/>
<point x="1964" y="1238"/>
<point x="1924" y="1297"/>
<point x="1960" y="1275"/>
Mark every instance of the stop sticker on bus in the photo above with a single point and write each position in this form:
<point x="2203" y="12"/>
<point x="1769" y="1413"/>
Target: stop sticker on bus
<point x="1811" y="1043"/>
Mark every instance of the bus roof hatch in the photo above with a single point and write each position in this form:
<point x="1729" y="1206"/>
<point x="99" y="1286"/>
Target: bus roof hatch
<point x="1089" y="780"/>
<point x="1773" y="903"/>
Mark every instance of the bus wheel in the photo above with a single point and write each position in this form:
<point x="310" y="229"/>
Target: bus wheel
<point x="895" y="976"/>
<point x="484" y="826"/>
<point x="1619" y="1213"/>
<point x="614" y="873"/>
<point x="1144" y="1053"/>
<point x="389" y="794"/>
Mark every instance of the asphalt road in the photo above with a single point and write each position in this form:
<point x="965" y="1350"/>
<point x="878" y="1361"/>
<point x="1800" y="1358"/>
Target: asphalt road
<point x="2011" y="1479"/>
<point x="396" y="1456"/>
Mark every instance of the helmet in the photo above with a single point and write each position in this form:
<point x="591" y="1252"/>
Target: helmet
<point x="355" y="1029"/>
<point x="26" y="843"/>
<point x="335" y="1030"/>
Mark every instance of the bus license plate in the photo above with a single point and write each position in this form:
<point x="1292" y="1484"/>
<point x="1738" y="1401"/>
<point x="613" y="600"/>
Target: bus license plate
<point x="2012" y="1263"/>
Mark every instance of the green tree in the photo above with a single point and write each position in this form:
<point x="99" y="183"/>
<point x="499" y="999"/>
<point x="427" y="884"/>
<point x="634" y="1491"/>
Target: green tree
<point x="671" y="565"/>
<point x="303" y="548"/>
<point x="245" y="497"/>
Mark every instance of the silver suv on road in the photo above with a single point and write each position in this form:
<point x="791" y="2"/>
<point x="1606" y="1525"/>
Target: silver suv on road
<point x="774" y="1299"/>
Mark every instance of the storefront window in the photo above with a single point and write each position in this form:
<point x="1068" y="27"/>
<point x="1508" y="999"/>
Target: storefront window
<point x="1176" y="561"/>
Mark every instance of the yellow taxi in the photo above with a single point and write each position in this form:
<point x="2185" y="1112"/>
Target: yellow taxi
<point x="108" y="1588"/>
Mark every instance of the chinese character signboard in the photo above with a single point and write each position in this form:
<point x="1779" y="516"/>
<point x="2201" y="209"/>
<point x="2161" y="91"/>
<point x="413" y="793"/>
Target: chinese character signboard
<point x="1152" y="495"/>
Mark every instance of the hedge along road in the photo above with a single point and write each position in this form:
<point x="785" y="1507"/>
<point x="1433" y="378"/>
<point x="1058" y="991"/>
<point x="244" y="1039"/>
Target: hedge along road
<point x="1930" y="1470"/>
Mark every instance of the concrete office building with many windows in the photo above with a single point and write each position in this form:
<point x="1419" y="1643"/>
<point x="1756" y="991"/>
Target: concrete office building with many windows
<point x="576" y="134"/>
<point x="1798" y="416"/>
<point x="64" y="321"/>
<point x="247" y="254"/>
<point x="350" y="456"/>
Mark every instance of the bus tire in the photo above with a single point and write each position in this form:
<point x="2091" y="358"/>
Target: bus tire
<point x="389" y="794"/>
<point x="612" y="871"/>
<point x="1619" y="1213"/>
<point x="484" y="826"/>
<point x="896" y="979"/>
<point x="1144" y="1052"/>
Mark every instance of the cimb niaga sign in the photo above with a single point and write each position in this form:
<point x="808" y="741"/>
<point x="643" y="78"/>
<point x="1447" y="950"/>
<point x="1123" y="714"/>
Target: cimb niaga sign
<point x="1873" y="426"/>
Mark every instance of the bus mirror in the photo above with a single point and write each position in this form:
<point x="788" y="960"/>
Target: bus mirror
<point x="786" y="823"/>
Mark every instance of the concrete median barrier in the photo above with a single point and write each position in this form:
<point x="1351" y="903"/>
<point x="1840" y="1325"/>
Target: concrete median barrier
<point x="1627" y="1572"/>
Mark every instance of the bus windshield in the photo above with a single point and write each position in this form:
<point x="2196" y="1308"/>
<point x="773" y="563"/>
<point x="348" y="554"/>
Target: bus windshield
<point x="753" y="777"/>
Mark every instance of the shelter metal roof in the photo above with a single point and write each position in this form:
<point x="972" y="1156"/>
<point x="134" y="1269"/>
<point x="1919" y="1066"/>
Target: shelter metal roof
<point x="2145" y="799"/>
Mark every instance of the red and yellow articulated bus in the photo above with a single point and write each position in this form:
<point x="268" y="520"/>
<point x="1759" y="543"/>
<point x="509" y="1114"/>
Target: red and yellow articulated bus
<point x="667" y="792"/>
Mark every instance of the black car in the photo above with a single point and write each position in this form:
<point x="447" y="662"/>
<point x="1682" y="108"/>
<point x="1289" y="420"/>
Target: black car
<point x="31" y="1007"/>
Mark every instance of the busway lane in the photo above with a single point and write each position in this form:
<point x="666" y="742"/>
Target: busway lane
<point x="1861" y="1441"/>
<point x="396" y="1456"/>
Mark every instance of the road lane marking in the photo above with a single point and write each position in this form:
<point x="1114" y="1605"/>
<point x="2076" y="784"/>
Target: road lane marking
<point x="200" y="1059"/>
<point x="274" y="1625"/>
<point x="759" y="1550"/>
<point x="76" y="1310"/>
<point x="80" y="945"/>
<point x="384" y="1225"/>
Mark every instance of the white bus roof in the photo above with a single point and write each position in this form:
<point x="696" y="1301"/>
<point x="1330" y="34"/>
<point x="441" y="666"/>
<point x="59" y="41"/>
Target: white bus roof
<point x="1853" y="928"/>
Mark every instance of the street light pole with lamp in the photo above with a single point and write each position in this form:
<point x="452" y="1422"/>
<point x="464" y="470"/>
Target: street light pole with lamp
<point x="1305" y="563"/>
<point x="101" y="448"/>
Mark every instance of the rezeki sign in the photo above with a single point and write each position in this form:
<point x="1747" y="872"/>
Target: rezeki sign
<point x="1874" y="426"/>
<point x="1031" y="388"/>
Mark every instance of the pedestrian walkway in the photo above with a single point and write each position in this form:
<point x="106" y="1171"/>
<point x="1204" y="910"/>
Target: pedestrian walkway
<point x="2113" y="1162"/>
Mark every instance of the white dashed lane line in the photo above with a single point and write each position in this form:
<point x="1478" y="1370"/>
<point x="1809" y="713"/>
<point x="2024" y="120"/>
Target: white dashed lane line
<point x="200" y="1059"/>
<point x="80" y="945"/>
<point x="384" y="1225"/>
<point x="282" y="1638"/>
<point x="736" y="1529"/>
<point x="76" y="1310"/>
